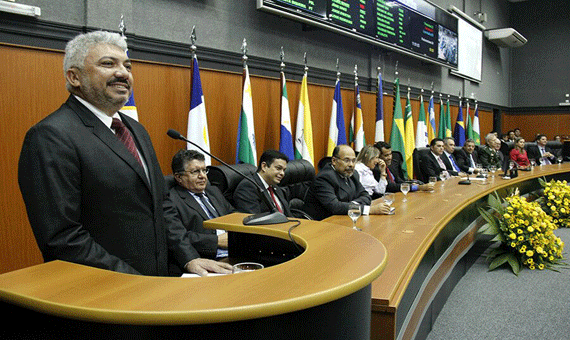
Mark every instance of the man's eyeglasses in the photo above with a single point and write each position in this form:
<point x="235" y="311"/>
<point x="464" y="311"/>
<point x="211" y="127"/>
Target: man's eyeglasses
<point x="197" y="172"/>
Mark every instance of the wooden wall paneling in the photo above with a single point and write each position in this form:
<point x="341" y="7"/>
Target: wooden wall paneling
<point x="531" y="124"/>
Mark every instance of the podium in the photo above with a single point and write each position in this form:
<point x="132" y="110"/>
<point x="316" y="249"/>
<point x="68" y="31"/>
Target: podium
<point x="323" y="293"/>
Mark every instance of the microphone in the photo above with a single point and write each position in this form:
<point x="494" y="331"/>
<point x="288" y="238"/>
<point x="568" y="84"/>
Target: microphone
<point x="272" y="217"/>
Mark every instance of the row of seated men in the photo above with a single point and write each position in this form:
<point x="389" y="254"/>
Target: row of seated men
<point x="198" y="193"/>
<point x="443" y="158"/>
<point x="295" y="190"/>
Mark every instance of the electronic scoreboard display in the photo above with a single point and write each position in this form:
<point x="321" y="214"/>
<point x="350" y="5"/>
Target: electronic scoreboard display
<point x="415" y="27"/>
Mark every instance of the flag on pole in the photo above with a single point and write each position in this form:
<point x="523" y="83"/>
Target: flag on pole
<point x="448" y="132"/>
<point x="397" y="133"/>
<point x="441" y="130"/>
<point x="469" y="128"/>
<point x="379" y="128"/>
<point x="337" y="131"/>
<point x="197" y="130"/>
<point x="409" y="142"/>
<point x="422" y="138"/>
<point x="459" y="130"/>
<point x="431" y="121"/>
<point x="476" y="132"/>
<point x="246" y="152"/>
<point x="304" y="131"/>
<point x="359" y="140"/>
<point x="286" y="137"/>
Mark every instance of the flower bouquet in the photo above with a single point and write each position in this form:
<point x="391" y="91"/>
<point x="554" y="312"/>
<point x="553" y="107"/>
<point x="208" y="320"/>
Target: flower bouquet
<point x="525" y="232"/>
<point x="557" y="201"/>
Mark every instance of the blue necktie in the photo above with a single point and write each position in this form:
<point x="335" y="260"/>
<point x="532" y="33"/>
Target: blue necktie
<point x="453" y="164"/>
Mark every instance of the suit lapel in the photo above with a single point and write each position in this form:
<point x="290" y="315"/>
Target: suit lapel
<point x="191" y="202"/>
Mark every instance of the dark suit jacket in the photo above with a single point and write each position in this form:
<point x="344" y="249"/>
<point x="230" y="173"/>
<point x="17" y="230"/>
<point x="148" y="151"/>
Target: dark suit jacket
<point x="89" y="201"/>
<point x="330" y="194"/>
<point x="247" y="200"/>
<point x="462" y="159"/>
<point x="430" y="166"/>
<point x="397" y="171"/>
<point x="450" y="168"/>
<point x="181" y="207"/>
<point x="534" y="153"/>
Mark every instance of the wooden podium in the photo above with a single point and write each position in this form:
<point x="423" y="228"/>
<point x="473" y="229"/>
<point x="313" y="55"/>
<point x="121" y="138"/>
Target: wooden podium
<point x="324" y="293"/>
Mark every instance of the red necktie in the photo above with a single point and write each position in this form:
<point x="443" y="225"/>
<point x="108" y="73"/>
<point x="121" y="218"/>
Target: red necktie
<point x="270" y="188"/>
<point x="124" y="136"/>
<point x="390" y="176"/>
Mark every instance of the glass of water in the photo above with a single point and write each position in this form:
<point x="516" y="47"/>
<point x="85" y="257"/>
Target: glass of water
<point x="354" y="212"/>
<point x="405" y="188"/>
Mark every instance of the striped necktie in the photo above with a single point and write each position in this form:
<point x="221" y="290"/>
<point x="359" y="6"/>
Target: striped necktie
<point x="126" y="138"/>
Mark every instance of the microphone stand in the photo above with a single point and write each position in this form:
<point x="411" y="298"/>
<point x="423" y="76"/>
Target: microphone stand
<point x="271" y="217"/>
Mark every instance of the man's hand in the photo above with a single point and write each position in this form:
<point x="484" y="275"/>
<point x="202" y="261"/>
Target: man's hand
<point x="203" y="266"/>
<point x="223" y="241"/>
<point x="379" y="208"/>
<point x="426" y="187"/>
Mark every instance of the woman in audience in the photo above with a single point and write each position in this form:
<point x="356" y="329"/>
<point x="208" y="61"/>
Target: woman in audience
<point x="518" y="154"/>
<point x="366" y="161"/>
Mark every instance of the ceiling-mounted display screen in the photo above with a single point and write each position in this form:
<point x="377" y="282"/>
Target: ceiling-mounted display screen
<point x="413" y="27"/>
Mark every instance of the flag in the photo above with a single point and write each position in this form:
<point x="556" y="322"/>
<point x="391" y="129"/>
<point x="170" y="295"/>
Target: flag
<point x="130" y="109"/>
<point x="286" y="137"/>
<point x="197" y="130"/>
<point x="359" y="140"/>
<point x="397" y="133"/>
<point x="337" y="131"/>
<point x="469" y="128"/>
<point x="422" y="138"/>
<point x="459" y="130"/>
<point x="431" y="120"/>
<point x="246" y="152"/>
<point x="476" y="132"/>
<point x="379" y="128"/>
<point x="441" y="130"/>
<point x="304" y="131"/>
<point x="448" y="121"/>
<point x="409" y="143"/>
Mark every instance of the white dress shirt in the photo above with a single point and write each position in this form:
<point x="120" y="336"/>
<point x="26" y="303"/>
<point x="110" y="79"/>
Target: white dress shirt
<point x="368" y="181"/>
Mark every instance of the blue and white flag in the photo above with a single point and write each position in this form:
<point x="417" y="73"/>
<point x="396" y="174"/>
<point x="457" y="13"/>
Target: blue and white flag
<point x="197" y="121"/>
<point x="337" y="131"/>
<point x="286" y="137"/>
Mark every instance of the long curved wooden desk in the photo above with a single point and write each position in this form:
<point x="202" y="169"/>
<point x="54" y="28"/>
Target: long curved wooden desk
<point x="327" y="286"/>
<point x="425" y="240"/>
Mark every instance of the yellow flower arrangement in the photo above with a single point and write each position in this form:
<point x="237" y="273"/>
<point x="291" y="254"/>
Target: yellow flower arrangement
<point x="557" y="201"/>
<point x="525" y="231"/>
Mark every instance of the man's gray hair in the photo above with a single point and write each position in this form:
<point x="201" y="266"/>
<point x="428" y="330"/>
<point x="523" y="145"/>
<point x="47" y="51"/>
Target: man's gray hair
<point x="77" y="49"/>
<point x="489" y="137"/>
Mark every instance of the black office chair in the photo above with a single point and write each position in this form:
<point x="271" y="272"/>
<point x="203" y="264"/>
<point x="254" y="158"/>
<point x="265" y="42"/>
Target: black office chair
<point x="419" y="154"/>
<point x="297" y="180"/>
<point x="227" y="180"/>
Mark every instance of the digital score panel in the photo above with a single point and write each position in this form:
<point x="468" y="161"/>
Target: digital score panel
<point x="414" y="26"/>
<point x="317" y="7"/>
<point x="357" y="15"/>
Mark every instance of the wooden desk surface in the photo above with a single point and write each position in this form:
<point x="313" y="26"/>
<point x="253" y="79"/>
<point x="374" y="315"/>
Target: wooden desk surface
<point x="412" y="229"/>
<point x="337" y="261"/>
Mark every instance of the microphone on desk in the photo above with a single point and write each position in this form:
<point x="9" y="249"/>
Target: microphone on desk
<point x="465" y="181"/>
<point x="272" y="217"/>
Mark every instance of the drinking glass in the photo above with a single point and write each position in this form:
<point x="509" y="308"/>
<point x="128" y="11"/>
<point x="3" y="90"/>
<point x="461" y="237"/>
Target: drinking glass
<point x="246" y="267"/>
<point x="559" y="159"/>
<point x="354" y="212"/>
<point x="432" y="180"/>
<point x="533" y="163"/>
<point x="492" y="169"/>
<point x="388" y="198"/>
<point x="405" y="188"/>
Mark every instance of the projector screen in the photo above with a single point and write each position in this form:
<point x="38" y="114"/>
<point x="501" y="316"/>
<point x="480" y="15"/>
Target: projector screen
<point x="470" y="47"/>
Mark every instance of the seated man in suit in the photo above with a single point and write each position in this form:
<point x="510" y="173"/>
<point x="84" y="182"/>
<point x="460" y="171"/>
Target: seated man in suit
<point x="270" y="171"/>
<point x="448" y="158"/>
<point x="432" y="163"/>
<point x="193" y="200"/>
<point x="540" y="152"/>
<point x="466" y="157"/>
<point x="489" y="154"/>
<point x="394" y="171"/>
<point x="337" y="185"/>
